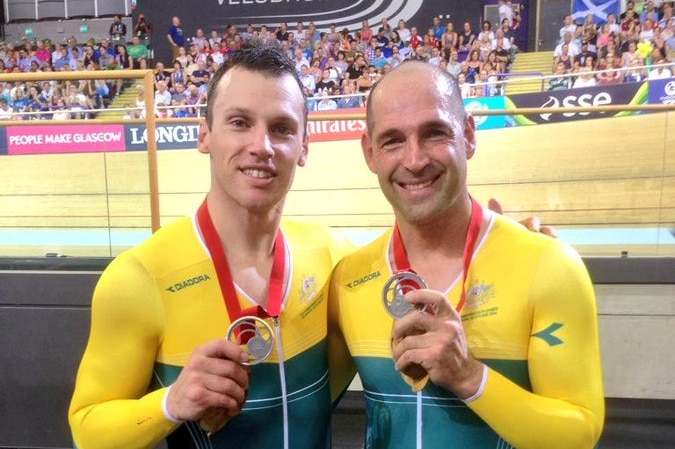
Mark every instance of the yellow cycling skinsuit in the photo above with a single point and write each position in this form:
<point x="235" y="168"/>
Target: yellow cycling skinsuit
<point x="530" y="316"/>
<point x="155" y="303"/>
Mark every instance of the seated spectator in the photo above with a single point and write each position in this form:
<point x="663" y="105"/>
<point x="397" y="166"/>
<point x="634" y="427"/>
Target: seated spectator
<point x="584" y="79"/>
<point x="503" y="56"/>
<point x="311" y="100"/>
<point x="90" y="57"/>
<point x="474" y="65"/>
<point x="326" y="103"/>
<point x="180" y="109"/>
<point x="565" y="58"/>
<point x="137" y="49"/>
<point x="454" y="66"/>
<point x="325" y="84"/>
<point x="464" y="87"/>
<point x="378" y="59"/>
<point x="486" y="30"/>
<point x="140" y="102"/>
<point x="178" y="95"/>
<point x="6" y="112"/>
<point x="396" y="57"/>
<point x="19" y="99"/>
<point x="60" y="110"/>
<point x="367" y="80"/>
<point x="627" y="57"/>
<point x="585" y="53"/>
<point x="572" y="47"/>
<point x="560" y="80"/>
<point x="162" y="95"/>
<point x="63" y="60"/>
<point x="435" y="58"/>
<point x="661" y="71"/>
<point x="349" y="100"/>
<point x="307" y="79"/>
<point x="163" y="110"/>
<point x="635" y="74"/>
<point x="42" y="52"/>
<point x="609" y="71"/>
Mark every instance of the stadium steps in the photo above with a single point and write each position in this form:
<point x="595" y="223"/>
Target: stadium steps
<point x="536" y="63"/>
<point x="119" y="103"/>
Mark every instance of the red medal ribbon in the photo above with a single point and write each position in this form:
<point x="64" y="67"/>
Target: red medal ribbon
<point x="401" y="262"/>
<point x="215" y="247"/>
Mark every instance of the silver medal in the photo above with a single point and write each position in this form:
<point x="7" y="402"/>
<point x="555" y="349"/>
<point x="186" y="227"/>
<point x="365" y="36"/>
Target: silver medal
<point x="255" y="336"/>
<point x="393" y="293"/>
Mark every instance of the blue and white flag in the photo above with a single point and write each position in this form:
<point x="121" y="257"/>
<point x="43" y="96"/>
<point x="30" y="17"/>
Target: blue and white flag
<point x="599" y="8"/>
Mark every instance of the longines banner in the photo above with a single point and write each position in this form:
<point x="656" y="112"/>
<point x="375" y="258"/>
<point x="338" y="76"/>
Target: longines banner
<point x="626" y="93"/>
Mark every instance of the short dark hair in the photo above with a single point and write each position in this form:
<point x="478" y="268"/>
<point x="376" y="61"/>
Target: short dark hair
<point x="267" y="60"/>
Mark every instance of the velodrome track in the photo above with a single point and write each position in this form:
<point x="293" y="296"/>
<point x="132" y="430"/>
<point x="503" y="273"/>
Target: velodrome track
<point x="608" y="185"/>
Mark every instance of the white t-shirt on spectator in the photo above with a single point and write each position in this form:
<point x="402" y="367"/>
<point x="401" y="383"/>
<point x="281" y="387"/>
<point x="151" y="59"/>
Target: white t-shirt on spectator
<point x="567" y="29"/>
<point x="505" y="12"/>
<point x="505" y="43"/>
<point x="660" y="73"/>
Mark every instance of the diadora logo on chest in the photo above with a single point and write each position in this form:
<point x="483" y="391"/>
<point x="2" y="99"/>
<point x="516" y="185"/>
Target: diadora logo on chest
<point x="188" y="283"/>
<point x="364" y="279"/>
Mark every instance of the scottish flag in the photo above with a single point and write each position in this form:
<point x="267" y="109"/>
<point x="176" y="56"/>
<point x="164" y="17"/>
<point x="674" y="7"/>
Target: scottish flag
<point x="599" y="8"/>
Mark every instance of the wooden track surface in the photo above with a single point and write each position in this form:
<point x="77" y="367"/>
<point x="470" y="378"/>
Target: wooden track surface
<point x="616" y="172"/>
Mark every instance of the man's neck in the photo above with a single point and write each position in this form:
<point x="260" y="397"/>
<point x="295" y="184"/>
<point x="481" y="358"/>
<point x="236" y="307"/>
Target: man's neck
<point x="436" y="248"/>
<point x="244" y="233"/>
<point x="248" y="241"/>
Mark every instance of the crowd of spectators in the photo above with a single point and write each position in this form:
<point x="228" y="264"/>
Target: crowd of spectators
<point x="337" y="67"/>
<point x="629" y="48"/>
<point x="67" y="99"/>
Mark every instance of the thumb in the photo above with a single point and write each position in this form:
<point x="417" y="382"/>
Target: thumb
<point x="494" y="206"/>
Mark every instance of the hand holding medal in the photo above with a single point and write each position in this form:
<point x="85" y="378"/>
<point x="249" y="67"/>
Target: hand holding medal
<point x="256" y="338"/>
<point x="438" y="317"/>
<point x="393" y="296"/>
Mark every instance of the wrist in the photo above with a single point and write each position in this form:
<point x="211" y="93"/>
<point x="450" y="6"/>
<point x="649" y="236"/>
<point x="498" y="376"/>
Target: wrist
<point x="473" y="385"/>
<point x="165" y="409"/>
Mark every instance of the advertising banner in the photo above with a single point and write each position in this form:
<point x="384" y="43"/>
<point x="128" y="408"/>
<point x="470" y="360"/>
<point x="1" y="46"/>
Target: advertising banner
<point x="662" y="91"/>
<point x="484" y="104"/>
<point x="619" y="94"/>
<point x="172" y="136"/>
<point x="333" y="129"/>
<point x="64" y="139"/>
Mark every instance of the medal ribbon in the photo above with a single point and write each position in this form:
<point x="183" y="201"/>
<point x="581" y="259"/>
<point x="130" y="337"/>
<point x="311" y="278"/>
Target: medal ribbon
<point x="401" y="262"/>
<point x="215" y="247"/>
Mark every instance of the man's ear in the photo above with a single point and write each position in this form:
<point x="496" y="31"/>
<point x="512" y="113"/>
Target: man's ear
<point x="305" y="149"/>
<point x="204" y="139"/>
<point x="470" y="136"/>
<point x="367" y="148"/>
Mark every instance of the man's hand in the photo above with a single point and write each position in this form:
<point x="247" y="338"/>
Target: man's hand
<point x="531" y="223"/>
<point x="213" y="378"/>
<point x="437" y="343"/>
